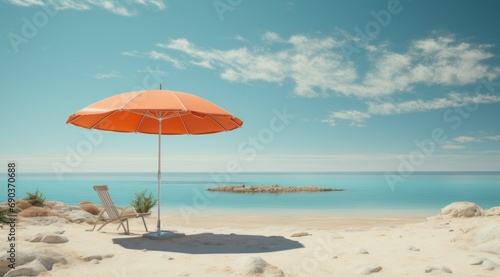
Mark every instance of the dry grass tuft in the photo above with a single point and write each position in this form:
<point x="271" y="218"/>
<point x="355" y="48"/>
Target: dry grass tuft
<point x="37" y="212"/>
<point x="23" y="204"/>
<point x="90" y="208"/>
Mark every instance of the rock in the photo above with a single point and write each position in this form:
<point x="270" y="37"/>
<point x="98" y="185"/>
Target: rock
<point x="368" y="269"/>
<point x="362" y="251"/>
<point x="36" y="238"/>
<point x="81" y="216"/>
<point x="94" y="261"/>
<point x="54" y="238"/>
<point x="32" y="268"/>
<point x="98" y="257"/>
<point x="47" y="220"/>
<point x="25" y="257"/>
<point x="68" y="209"/>
<point x="476" y="261"/>
<point x="256" y="266"/>
<point x="300" y="234"/>
<point x="412" y="248"/>
<point x="431" y="268"/>
<point x="445" y="269"/>
<point x="495" y="211"/>
<point x="461" y="209"/>
<point x="489" y="264"/>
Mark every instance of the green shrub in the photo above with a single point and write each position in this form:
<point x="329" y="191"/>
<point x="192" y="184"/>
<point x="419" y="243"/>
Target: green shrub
<point x="36" y="198"/>
<point x="143" y="203"/>
<point x="3" y="216"/>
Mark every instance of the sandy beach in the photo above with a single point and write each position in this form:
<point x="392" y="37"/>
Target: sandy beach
<point x="457" y="243"/>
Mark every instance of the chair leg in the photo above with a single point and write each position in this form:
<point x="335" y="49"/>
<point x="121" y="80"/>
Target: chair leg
<point x="143" y="221"/>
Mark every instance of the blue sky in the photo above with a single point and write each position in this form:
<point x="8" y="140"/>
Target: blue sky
<point x="396" y="86"/>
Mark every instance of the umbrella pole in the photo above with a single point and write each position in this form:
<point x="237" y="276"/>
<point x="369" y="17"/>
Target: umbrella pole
<point x="158" y="225"/>
<point x="159" y="234"/>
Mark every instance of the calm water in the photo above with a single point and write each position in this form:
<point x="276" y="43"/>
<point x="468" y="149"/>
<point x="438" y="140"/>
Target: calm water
<point x="365" y="193"/>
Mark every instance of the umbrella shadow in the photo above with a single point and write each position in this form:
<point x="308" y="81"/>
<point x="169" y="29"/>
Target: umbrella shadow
<point x="209" y="243"/>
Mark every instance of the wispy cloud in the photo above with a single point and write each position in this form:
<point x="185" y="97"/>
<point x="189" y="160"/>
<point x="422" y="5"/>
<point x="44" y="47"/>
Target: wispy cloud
<point x="133" y="53"/>
<point x="461" y="141"/>
<point x="114" y="6"/>
<point x="107" y="75"/>
<point x="164" y="57"/>
<point x="451" y="100"/>
<point x="449" y="146"/>
<point x="317" y="66"/>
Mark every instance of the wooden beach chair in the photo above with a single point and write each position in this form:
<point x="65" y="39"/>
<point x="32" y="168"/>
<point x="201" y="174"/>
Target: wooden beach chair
<point x="113" y="212"/>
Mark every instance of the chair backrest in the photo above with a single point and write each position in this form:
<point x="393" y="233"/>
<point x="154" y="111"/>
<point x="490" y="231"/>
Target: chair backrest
<point x="106" y="202"/>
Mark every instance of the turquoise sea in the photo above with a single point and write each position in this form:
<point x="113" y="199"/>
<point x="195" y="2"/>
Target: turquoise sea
<point x="366" y="193"/>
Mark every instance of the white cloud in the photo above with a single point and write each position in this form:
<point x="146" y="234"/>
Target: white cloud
<point x="25" y="3"/>
<point x="497" y="137"/>
<point x="449" y="146"/>
<point x="164" y="57"/>
<point x="152" y="71"/>
<point x="271" y="37"/>
<point x="133" y="53"/>
<point x="114" y="6"/>
<point x="317" y="66"/>
<point x="357" y="118"/>
<point x="107" y="75"/>
<point x="465" y="139"/>
<point x="451" y="100"/>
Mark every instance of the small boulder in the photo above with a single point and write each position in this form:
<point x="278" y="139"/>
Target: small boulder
<point x="412" y="248"/>
<point x="489" y="264"/>
<point x="461" y="209"/>
<point x="368" y="269"/>
<point x="300" y="234"/>
<point x="54" y="238"/>
<point x="98" y="257"/>
<point x="47" y="220"/>
<point x="32" y="268"/>
<point x="361" y="251"/>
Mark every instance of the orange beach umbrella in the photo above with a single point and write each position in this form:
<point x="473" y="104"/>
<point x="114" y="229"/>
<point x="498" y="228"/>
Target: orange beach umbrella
<point x="160" y="112"/>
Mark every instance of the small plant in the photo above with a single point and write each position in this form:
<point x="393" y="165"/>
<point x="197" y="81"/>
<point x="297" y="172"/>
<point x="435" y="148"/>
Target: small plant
<point x="3" y="216"/>
<point x="36" y="198"/>
<point x="143" y="203"/>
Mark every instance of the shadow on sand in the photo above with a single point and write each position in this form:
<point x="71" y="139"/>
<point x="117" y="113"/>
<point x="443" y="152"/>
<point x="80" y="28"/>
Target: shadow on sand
<point x="209" y="243"/>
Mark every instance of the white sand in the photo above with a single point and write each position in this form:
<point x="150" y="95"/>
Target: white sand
<point x="234" y="246"/>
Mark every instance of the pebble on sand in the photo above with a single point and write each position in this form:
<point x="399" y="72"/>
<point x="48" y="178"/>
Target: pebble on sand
<point x="300" y="234"/>
<point x="368" y="269"/>
<point x="361" y="251"/>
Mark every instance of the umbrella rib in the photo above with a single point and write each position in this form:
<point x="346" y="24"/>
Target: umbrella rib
<point x="140" y="123"/>
<point x="131" y="100"/>
<point x="179" y="101"/>
<point x="217" y="122"/>
<point x="102" y="119"/>
<point x="76" y="117"/>
<point x="183" y="123"/>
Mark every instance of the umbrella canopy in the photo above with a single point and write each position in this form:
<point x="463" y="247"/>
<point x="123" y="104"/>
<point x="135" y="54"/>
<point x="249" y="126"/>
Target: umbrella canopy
<point x="140" y="111"/>
<point x="160" y="112"/>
